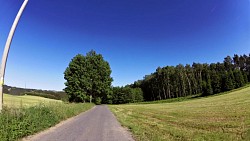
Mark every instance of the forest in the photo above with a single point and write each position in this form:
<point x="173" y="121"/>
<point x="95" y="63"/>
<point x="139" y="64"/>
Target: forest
<point x="204" y="79"/>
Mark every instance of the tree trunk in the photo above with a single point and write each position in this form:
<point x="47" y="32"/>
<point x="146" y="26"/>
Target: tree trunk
<point x="164" y="93"/>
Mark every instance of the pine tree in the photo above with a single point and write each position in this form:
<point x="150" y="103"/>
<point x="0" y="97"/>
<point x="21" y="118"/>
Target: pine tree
<point x="227" y="82"/>
<point x="239" y="79"/>
<point x="245" y="77"/>
<point x="215" y="82"/>
<point x="228" y="63"/>
<point x="231" y="75"/>
<point x="206" y="85"/>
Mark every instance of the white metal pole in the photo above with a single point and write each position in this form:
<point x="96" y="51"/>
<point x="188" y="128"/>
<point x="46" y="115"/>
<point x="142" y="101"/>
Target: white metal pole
<point x="6" y="50"/>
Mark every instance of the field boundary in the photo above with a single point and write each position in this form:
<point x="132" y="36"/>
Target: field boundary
<point x="51" y="129"/>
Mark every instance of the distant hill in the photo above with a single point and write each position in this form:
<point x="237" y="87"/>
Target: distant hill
<point x="59" y="95"/>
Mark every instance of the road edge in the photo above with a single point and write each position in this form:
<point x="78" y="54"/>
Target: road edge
<point x="126" y="129"/>
<point x="28" y="138"/>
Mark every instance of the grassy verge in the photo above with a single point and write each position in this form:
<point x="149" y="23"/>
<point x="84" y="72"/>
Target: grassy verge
<point x="16" y="123"/>
<point x="221" y="117"/>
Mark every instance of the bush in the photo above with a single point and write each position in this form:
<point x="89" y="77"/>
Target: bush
<point x="123" y="95"/>
<point x="98" y="101"/>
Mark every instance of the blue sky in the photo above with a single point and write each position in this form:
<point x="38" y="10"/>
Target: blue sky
<point x="134" y="36"/>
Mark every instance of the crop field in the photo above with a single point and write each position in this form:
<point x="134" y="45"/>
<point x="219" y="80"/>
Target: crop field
<point x="25" y="100"/>
<point x="220" y="117"/>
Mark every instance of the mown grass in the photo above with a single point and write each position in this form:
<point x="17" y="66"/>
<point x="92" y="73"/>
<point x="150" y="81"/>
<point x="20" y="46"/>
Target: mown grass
<point x="221" y="117"/>
<point x="17" y="121"/>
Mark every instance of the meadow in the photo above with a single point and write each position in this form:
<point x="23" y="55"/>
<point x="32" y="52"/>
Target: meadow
<point x="25" y="100"/>
<point x="219" y="117"/>
<point x="27" y="115"/>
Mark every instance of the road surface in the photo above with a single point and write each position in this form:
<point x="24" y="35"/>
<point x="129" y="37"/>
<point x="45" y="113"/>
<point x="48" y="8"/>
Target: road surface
<point x="97" y="124"/>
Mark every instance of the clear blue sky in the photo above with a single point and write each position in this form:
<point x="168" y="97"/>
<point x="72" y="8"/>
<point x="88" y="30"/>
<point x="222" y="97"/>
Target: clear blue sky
<point x="134" y="36"/>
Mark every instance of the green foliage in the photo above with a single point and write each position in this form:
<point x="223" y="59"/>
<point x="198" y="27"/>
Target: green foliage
<point x="206" y="88"/>
<point x="206" y="79"/>
<point x="227" y="82"/>
<point x="206" y="83"/>
<point x="137" y="95"/>
<point x="127" y="94"/>
<point x="215" y="82"/>
<point x="98" y="101"/>
<point x="245" y="77"/>
<point x="239" y="79"/>
<point x="87" y="76"/>
<point x="228" y="63"/>
<point x="16" y="123"/>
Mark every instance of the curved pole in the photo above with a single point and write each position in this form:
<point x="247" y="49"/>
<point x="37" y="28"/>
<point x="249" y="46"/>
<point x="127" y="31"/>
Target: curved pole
<point x="6" y="51"/>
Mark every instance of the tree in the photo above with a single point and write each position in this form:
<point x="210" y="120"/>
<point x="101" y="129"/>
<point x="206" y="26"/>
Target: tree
<point x="227" y="83"/>
<point x="245" y="77"/>
<point x="206" y="84"/>
<point x="189" y="77"/>
<point x="242" y="63"/>
<point x="215" y="82"/>
<point x="137" y="94"/>
<point x="206" y="88"/>
<point x="248" y="66"/>
<point x="88" y="76"/>
<point x="228" y="63"/>
<point x="127" y="94"/>
<point x="198" y="75"/>
<point x="239" y="79"/>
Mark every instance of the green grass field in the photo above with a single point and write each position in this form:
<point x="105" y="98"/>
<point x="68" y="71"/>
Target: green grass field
<point x="222" y="117"/>
<point x="25" y="100"/>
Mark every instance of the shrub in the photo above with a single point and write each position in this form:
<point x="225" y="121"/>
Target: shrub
<point x="98" y="101"/>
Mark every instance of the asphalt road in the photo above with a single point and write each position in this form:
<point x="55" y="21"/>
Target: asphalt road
<point x="97" y="124"/>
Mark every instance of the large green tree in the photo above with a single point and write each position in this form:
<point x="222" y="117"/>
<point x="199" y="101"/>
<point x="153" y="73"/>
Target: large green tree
<point x="88" y="76"/>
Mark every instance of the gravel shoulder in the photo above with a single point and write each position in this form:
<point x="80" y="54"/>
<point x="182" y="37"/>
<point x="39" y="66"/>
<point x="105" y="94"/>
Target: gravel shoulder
<point x="97" y="124"/>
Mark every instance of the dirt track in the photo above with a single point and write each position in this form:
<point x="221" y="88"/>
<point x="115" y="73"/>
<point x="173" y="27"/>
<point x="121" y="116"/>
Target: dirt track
<point x="97" y="124"/>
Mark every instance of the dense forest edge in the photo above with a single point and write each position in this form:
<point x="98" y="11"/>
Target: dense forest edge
<point x="190" y="80"/>
<point x="58" y="95"/>
<point x="191" y="97"/>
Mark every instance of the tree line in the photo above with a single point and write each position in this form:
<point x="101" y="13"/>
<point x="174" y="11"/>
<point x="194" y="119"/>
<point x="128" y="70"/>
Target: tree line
<point x="58" y="95"/>
<point x="205" y="79"/>
<point x="88" y="77"/>
<point x="121" y="95"/>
